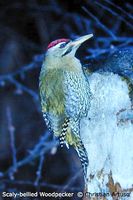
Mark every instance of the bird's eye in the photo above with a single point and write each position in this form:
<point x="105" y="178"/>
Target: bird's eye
<point x="63" y="45"/>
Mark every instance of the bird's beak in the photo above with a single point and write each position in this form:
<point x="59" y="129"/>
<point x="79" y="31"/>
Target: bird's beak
<point x="75" y="44"/>
<point x="80" y="40"/>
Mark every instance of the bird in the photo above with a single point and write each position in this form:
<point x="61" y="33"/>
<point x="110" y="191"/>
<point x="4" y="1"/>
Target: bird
<point x="65" y="94"/>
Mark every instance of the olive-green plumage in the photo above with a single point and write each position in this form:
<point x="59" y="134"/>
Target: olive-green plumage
<point x="65" y="95"/>
<point x="52" y="87"/>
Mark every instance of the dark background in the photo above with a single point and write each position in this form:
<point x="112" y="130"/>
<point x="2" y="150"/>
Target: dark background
<point x="30" y="159"/>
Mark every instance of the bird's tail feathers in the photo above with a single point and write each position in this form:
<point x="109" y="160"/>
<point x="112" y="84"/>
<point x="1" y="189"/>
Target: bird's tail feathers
<point x="62" y="136"/>
<point x="82" y="153"/>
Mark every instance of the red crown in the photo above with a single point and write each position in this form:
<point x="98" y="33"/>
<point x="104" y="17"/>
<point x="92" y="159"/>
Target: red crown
<point x="55" y="42"/>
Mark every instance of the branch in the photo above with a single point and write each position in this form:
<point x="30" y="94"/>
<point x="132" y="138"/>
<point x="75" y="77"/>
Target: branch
<point x="24" y="88"/>
<point x="101" y="25"/>
<point x="119" y="8"/>
<point x="42" y="184"/>
<point x="11" y="130"/>
<point x="39" y="171"/>
<point x="115" y="14"/>
<point x="37" y="60"/>
<point x="42" y="146"/>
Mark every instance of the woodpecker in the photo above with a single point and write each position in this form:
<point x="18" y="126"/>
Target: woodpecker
<point x="65" y="94"/>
